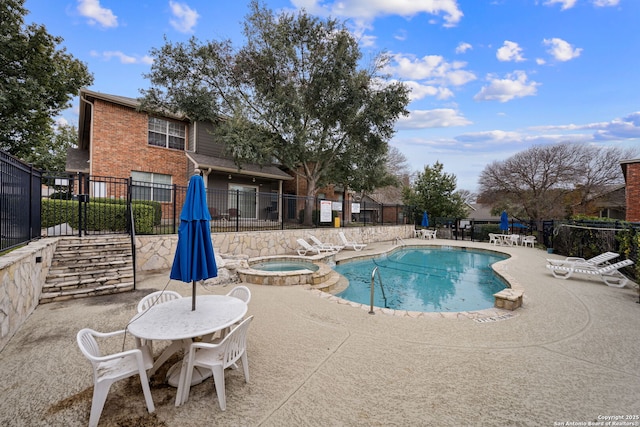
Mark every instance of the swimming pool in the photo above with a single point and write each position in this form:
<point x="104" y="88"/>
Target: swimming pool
<point x="426" y="279"/>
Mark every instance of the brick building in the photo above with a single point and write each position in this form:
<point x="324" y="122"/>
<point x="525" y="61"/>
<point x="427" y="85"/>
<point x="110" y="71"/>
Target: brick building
<point x="631" y="172"/>
<point x="158" y="152"/>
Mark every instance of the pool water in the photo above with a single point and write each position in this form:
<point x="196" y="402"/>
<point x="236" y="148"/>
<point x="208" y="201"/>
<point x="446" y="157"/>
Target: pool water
<point x="426" y="279"/>
<point x="284" y="266"/>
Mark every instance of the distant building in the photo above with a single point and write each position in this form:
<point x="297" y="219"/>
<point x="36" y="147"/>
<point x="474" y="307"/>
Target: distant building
<point x="631" y="172"/>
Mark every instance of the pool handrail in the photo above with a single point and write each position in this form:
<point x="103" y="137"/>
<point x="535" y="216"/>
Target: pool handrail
<point x="373" y="279"/>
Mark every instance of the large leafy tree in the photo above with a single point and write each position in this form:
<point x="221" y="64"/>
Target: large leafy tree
<point x="434" y="191"/>
<point x="545" y="181"/>
<point x="295" y="92"/>
<point x="37" y="81"/>
<point x="51" y="154"/>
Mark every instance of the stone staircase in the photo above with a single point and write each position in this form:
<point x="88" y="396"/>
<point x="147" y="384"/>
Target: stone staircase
<point x="89" y="266"/>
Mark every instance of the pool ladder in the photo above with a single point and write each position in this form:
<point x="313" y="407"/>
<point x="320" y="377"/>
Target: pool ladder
<point x="373" y="280"/>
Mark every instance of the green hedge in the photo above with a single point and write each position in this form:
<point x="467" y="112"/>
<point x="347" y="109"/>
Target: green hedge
<point x="100" y="216"/>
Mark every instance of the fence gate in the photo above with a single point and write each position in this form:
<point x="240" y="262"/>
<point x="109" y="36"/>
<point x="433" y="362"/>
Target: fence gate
<point x="82" y="204"/>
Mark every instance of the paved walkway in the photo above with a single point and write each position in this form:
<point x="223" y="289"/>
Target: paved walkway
<point x="571" y="354"/>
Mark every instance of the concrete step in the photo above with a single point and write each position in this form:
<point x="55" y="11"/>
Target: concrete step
<point x="89" y="266"/>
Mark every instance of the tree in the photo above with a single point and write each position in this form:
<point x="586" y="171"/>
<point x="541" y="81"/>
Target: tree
<point x="434" y="192"/>
<point x="37" y="81"/>
<point x="294" y="93"/>
<point x="544" y="181"/>
<point x="51" y="155"/>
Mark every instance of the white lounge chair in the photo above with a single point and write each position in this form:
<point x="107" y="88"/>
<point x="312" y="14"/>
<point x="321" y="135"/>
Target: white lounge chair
<point x="306" y="248"/>
<point x="609" y="273"/>
<point x="595" y="261"/>
<point x="351" y="245"/>
<point x="324" y="246"/>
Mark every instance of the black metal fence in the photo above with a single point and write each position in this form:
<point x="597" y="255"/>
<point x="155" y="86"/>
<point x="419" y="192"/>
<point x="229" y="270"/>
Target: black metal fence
<point x="19" y="202"/>
<point x="77" y="204"/>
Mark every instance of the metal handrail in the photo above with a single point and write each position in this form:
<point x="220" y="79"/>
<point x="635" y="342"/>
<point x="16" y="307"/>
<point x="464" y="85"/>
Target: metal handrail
<point x="373" y="279"/>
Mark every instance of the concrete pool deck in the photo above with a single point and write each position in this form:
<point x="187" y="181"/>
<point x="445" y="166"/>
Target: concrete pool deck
<point x="571" y="354"/>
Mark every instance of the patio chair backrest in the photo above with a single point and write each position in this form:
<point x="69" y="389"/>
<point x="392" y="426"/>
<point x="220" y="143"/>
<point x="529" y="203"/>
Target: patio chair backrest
<point x="241" y="292"/>
<point x="157" y="297"/>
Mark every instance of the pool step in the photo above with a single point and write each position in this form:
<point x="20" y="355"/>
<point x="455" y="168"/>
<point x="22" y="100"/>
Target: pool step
<point x="331" y="282"/>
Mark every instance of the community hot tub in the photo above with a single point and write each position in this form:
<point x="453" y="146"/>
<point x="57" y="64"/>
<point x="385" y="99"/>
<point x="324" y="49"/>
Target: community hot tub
<point x="283" y="271"/>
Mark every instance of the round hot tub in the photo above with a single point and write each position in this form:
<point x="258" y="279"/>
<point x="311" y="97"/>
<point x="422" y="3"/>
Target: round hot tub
<point x="282" y="271"/>
<point x="284" y="265"/>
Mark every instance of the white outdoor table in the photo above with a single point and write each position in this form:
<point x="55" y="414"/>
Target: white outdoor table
<point x="175" y="321"/>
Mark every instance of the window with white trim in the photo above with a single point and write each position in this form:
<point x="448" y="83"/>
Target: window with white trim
<point x="151" y="186"/>
<point x="163" y="133"/>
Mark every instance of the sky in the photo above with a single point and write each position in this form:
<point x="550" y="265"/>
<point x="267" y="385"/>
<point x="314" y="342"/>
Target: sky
<point x="488" y="78"/>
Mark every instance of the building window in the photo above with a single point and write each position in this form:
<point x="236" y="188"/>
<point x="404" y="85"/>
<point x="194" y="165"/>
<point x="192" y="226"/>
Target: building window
<point x="163" y="133"/>
<point x="151" y="186"/>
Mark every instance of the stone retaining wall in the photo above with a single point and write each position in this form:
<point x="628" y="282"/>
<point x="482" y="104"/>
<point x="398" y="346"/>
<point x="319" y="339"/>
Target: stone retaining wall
<point x="156" y="252"/>
<point x="22" y="274"/>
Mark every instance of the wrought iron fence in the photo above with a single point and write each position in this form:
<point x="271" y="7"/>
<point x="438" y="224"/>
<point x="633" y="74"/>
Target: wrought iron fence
<point x="19" y="202"/>
<point x="81" y="204"/>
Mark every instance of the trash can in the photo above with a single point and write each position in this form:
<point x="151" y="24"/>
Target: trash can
<point x="336" y="222"/>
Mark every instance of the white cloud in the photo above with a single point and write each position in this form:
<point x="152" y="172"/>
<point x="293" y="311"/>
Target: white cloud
<point x="369" y="10"/>
<point x="510" y="51"/>
<point x="463" y="47"/>
<point x="605" y="3"/>
<point x="515" y="85"/>
<point x="419" y="91"/>
<point x="96" y="13"/>
<point x="561" y="50"/>
<point x="617" y="129"/>
<point x="123" y="58"/>
<point x="186" y="18"/>
<point x="438" y="118"/>
<point x="540" y="61"/>
<point x="400" y="35"/>
<point x="566" y="4"/>
<point x="433" y="69"/>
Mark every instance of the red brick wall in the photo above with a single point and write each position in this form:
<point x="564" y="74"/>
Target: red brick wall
<point x="119" y="145"/>
<point x="633" y="192"/>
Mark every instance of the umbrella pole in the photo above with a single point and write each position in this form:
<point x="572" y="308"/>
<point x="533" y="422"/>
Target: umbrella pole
<point x="193" y="297"/>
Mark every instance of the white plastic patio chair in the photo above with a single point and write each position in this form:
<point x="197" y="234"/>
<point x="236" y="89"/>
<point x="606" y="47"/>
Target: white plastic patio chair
<point x="218" y="357"/>
<point x="493" y="239"/>
<point x="157" y="297"/>
<point x="111" y="368"/>
<point x="147" y="302"/>
<point x="529" y="241"/>
<point x="241" y="292"/>
<point x="597" y="260"/>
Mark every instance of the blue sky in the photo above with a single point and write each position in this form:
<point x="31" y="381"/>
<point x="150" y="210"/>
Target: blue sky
<point x="489" y="78"/>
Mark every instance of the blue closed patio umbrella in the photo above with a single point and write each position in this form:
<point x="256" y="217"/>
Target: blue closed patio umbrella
<point x="425" y="219"/>
<point x="194" y="259"/>
<point x="504" y="221"/>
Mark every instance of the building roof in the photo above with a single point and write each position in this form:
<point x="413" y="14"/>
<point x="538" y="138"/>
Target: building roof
<point x="481" y="212"/>
<point x="228" y="166"/>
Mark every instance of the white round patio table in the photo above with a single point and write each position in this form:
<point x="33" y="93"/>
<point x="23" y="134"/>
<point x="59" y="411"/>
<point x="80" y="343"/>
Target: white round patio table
<point x="175" y="321"/>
